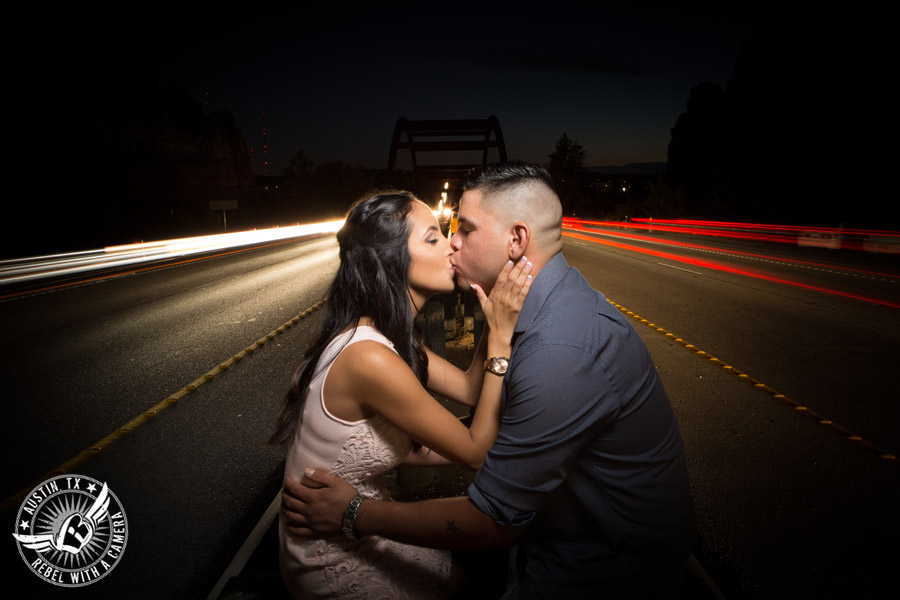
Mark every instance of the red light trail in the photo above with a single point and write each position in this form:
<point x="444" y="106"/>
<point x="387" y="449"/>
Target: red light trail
<point x="752" y="226"/>
<point x="643" y="238"/>
<point x="709" y="264"/>
<point x="853" y="239"/>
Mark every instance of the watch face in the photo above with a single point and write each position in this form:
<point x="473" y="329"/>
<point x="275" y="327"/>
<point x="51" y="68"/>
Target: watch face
<point x="499" y="364"/>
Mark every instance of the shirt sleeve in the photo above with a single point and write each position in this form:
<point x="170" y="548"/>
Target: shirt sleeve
<point x="558" y="398"/>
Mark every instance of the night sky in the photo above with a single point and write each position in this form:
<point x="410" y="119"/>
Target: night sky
<point x="333" y="81"/>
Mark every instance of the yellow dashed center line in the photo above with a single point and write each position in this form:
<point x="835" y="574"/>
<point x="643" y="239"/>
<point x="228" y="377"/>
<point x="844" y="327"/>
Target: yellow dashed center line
<point x="855" y="439"/>
<point x="85" y="455"/>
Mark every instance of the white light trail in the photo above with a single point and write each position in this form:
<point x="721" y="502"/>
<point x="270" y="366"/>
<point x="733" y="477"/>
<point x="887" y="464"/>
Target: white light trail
<point x="38" y="267"/>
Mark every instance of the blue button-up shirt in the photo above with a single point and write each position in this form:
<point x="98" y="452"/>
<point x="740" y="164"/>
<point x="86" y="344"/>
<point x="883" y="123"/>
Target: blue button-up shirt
<point x="588" y="464"/>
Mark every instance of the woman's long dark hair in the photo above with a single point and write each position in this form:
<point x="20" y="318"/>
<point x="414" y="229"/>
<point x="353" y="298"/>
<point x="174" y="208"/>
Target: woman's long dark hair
<point x="371" y="282"/>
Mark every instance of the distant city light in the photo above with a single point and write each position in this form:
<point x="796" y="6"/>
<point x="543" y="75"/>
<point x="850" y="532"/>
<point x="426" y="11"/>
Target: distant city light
<point x="443" y="209"/>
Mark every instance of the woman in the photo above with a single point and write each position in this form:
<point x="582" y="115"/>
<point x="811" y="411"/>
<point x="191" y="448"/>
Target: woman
<point x="358" y="407"/>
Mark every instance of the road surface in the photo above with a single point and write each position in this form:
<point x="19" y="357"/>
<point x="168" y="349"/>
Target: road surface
<point x="788" y="506"/>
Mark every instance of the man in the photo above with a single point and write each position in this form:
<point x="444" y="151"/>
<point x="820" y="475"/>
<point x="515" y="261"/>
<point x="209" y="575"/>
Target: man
<point x="587" y="475"/>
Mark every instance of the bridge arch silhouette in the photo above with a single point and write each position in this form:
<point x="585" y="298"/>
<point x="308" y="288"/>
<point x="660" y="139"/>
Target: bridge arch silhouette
<point x="447" y="149"/>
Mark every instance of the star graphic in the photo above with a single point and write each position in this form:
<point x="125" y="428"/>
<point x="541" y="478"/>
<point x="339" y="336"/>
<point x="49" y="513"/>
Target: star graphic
<point x="92" y="488"/>
<point x="24" y="525"/>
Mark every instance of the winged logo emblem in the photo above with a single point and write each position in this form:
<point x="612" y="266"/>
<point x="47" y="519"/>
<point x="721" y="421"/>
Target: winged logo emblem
<point x="76" y="531"/>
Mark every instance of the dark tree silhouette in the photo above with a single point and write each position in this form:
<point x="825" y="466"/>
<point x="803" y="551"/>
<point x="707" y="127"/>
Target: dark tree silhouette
<point x="336" y="185"/>
<point x="300" y="167"/>
<point x="566" y="167"/>
<point x="697" y="167"/>
<point x="324" y="191"/>
<point x="789" y="138"/>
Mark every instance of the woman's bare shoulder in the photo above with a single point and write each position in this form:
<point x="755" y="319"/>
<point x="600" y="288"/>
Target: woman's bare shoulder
<point x="370" y="358"/>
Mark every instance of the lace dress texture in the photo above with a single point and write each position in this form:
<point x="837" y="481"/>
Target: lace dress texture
<point x="360" y="452"/>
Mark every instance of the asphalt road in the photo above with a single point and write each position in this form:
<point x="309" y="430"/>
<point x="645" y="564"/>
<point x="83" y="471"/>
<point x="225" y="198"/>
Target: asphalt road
<point x="81" y="362"/>
<point x="788" y="507"/>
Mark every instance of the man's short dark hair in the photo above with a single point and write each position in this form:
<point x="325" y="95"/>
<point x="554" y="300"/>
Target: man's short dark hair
<point x="498" y="177"/>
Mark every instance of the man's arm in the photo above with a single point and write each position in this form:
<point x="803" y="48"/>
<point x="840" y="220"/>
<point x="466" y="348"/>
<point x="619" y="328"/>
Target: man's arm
<point x="316" y="509"/>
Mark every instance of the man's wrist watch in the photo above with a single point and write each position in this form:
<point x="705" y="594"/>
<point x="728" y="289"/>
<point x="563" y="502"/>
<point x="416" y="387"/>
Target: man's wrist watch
<point x="348" y="521"/>
<point x="497" y="365"/>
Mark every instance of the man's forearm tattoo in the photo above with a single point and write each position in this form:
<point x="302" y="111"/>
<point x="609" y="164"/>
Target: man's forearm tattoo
<point x="451" y="525"/>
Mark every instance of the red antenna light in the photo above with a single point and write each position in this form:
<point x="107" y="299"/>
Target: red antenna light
<point x="265" y="147"/>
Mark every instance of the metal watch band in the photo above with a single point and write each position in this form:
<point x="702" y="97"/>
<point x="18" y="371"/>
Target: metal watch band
<point x="348" y="522"/>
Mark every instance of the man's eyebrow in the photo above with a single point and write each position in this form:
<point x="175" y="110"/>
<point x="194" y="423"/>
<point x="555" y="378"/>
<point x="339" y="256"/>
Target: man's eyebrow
<point x="465" y="220"/>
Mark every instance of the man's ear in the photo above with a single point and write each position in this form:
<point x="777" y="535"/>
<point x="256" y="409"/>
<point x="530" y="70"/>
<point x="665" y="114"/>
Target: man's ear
<point x="519" y="237"/>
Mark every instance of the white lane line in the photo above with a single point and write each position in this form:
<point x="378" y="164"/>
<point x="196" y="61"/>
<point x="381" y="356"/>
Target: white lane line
<point x="679" y="269"/>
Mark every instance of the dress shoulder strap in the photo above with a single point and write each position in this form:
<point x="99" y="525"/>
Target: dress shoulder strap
<point x="364" y="332"/>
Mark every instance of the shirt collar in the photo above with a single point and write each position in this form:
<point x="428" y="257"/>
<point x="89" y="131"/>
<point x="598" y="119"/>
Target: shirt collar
<point x="544" y="282"/>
